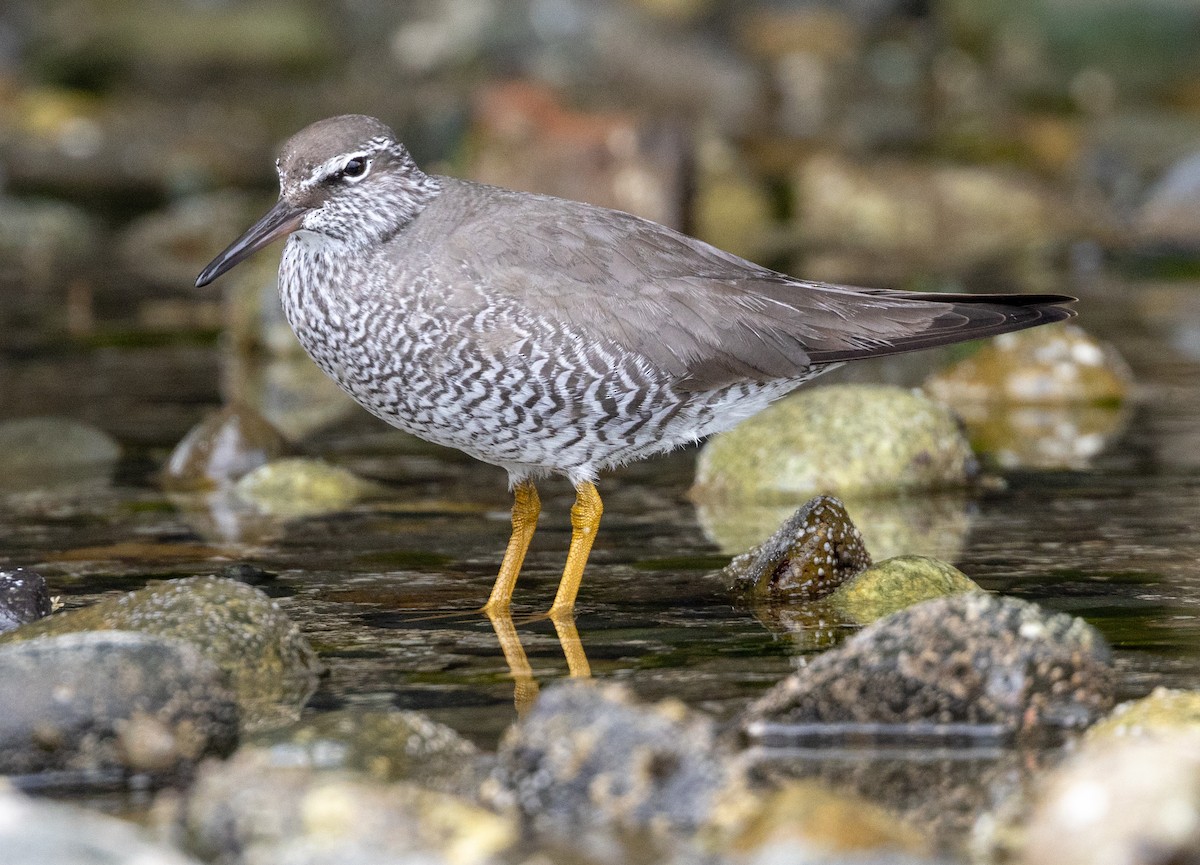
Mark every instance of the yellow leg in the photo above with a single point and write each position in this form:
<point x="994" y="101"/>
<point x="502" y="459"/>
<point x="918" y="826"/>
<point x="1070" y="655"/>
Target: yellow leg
<point x="572" y="646"/>
<point x="525" y="689"/>
<point x="585" y="521"/>
<point x="526" y="507"/>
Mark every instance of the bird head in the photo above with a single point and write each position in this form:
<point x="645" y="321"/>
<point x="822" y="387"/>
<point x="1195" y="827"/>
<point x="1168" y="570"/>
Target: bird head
<point x="346" y="179"/>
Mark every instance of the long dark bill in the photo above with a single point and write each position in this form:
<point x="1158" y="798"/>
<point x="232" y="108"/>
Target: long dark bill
<point x="280" y="220"/>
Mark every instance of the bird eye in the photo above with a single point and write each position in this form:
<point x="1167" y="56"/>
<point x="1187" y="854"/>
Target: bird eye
<point x="355" y="169"/>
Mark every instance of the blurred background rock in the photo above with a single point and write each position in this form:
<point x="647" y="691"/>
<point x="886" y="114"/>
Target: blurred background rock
<point x="967" y="144"/>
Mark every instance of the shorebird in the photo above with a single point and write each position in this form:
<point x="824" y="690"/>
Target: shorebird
<point x="549" y="336"/>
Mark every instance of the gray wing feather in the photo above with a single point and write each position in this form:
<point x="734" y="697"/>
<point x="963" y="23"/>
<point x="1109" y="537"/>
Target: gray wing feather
<point x="703" y="316"/>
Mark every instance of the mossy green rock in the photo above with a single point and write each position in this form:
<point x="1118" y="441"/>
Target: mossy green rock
<point x="840" y="439"/>
<point x="897" y="583"/>
<point x="270" y="665"/>
<point x="299" y="487"/>
<point x="1164" y="712"/>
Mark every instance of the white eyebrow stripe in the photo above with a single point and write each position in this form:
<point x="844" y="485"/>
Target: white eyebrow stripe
<point x="336" y="164"/>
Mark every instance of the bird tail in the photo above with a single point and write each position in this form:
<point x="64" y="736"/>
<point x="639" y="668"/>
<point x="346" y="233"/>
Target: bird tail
<point x="966" y="317"/>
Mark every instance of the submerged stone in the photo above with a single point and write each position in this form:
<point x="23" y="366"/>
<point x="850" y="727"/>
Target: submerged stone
<point x="298" y="487"/>
<point x="838" y="439"/>
<point x="250" y="810"/>
<point x="103" y="700"/>
<point x="270" y="665"/>
<point x="813" y="553"/>
<point x="24" y="597"/>
<point x="897" y="583"/>
<point x="224" y="446"/>
<point x="970" y="659"/>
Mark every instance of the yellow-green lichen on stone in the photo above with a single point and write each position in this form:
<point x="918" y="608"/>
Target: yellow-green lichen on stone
<point x="897" y="583"/>
<point x="270" y="665"/>
<point x="1164" y="712"/>
<point x="840" y="439"/>
<point x="301" y="487"/>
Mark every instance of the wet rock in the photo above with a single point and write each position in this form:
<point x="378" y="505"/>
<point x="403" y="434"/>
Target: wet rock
<point x="1043" y="366"/>
<point x="1042" y="436"/>
<point x="586" y="756"/>
<point x="896" y="584"/>
<point x="225" y="446"/>
<point x="96" y="701"/>
<point x="970" y="659"/>
<point x="302" y="487"/>
<point x="249" y="810"/>
<point x="1124" y="802"/>
<point x="526" y="139"/>
<point x="24" y="597"/>
<point x="827" y="825"/>
<point x="270" y="665"/>
<point x="902" y="217"/>
<point x="928" y="524"/>
<point x="41" y="832"/>
<point x="55" y="451"/>
<point x="387" y="746"/>
<point x="1163" y="713"/>
<point x="839" y="439"/>
<point x="813" y="553"/>
<point x="1044" y="398"/>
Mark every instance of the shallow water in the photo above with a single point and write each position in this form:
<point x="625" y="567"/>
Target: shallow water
<point x="387" y="591"/>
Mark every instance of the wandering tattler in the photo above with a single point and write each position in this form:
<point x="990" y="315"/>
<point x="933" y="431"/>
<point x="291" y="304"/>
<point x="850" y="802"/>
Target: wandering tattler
<point x="548" y="336"/>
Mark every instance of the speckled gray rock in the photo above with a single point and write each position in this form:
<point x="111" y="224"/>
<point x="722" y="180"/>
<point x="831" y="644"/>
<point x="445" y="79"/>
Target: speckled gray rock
<point x="813" y="553"/>
<point x="388" y="746"/>
<point x="270" y="664"/>
<point x="973" y="659"/>
<point x="45" y="451"/>
<point x="839" y="439"/>
<point x="248" y="809"/>
<point x="588" y="756"/>
<point x="96" y="701"/>
<point x="224" y="446"/>
<point x="24" y="597"/>
<point x="40" y="832"/>
<point x="897" y="583"/>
